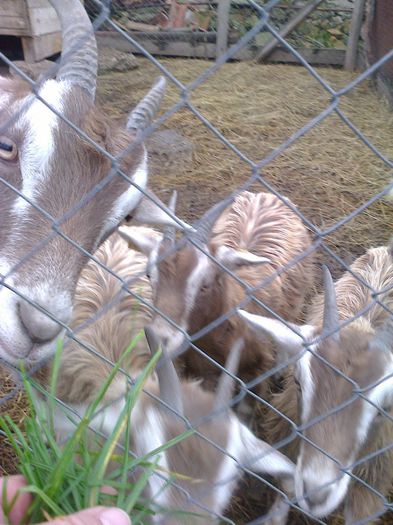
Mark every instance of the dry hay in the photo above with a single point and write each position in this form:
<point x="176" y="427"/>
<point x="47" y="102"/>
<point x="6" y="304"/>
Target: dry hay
<point x="328" y="173"/>
<point x="15" y="407"/>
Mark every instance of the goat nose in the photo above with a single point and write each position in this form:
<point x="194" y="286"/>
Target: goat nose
<point x="154" y="338"/>
<point x="38" y="325"/>
<point x="315" y="496"/>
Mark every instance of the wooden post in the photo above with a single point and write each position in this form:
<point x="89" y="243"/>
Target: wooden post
<point x="288" y="28"/>
<point x="354" y="34"/>
<point x="223" y="8"/>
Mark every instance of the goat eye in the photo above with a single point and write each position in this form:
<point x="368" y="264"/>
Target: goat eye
<point x="204" y="287"/>
<point x="8" y="149"/>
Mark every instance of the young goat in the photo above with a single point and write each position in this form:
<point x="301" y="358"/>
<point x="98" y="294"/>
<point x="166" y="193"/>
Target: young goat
<point x="207" y="465"/>
<point x="199" y="474"/>
<point x="207" y="474"/>
<point x="345" y="386"/>
<point x="254" y="237"/>
<point x="48" y="175"/>
<point x="106" y="319"/>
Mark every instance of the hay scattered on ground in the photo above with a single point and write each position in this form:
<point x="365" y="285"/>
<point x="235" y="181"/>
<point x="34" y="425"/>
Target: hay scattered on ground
<point x="16" y="408"/>
<point x="328" y="173"/>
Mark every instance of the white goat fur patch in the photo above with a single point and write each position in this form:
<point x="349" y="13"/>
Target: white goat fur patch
<point x="129" y="199"/>
<point x="39" y="123"/>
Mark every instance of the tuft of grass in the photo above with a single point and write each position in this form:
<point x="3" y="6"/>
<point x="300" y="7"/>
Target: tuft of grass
<point x="67" y="478"/>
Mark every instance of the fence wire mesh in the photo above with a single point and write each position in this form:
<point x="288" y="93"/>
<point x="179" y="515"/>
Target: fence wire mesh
<point x="356" y="469"/>
<point x="196" y="23"/>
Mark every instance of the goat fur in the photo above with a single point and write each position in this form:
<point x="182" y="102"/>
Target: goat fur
<point x="265" y="226"/>
<point x="107" y="319"/>
<point x="376" y="269"/>
<point x="202" y="473"/>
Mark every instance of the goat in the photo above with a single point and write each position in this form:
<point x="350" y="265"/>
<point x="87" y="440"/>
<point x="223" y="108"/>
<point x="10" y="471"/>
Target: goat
<point x="106" y="319"/>
<point x="344" y="393"/>
<point x="253" y="237"/>
<point x="207" y="465"/>
<point x="54" y="178"/>
<point x="199" y="474"/>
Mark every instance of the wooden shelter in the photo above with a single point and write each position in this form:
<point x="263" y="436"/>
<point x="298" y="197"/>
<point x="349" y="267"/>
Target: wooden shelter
<point x="35" y="22"/>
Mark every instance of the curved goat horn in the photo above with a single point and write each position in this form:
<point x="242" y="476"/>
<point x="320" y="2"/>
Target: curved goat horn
<point x="170" y="232"/>
<point x="78" y="62"/>
<point x="205" y="225"/>
<point x="142" y="115"/>
<point x="168" y="380"/>
<point x="330" y="312"/>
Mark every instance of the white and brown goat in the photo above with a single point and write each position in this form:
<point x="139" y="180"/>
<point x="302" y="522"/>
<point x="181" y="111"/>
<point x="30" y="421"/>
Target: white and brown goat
<point x="205" y="470"/>
<point x="344" y="393"/>
<point x="106" y="318"/>
<point x="208" y="465"/>
<point x="254" y="237"/>
<point x="54" y="179"/>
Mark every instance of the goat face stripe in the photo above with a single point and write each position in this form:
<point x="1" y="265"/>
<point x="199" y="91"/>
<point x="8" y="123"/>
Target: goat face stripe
<point x="381" y="396"/>
<point x="228" y="472"/>
<point x="128" y="200"/>
<point x="150" y="437"/>
<point x="39" y="123"/>
<point x="307" y="382"/>
<point x="195" y="279"/>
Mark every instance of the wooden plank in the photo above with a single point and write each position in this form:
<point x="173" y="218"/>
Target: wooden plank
<point x="14" y="25"/>
<point x="321" y="57"/>
<point x="246" y="5"/>
<point x="222" y="26"/>
<point x="354" y="34"/>
<point x="288" y="28"/>
<point x="169" y="47"/>
<point x="130" y="25"/>
<point x="43" y="20"/>
<point x="39" y="47"/>
<point x="37" y="3"/>
<point x="12" y="8"/>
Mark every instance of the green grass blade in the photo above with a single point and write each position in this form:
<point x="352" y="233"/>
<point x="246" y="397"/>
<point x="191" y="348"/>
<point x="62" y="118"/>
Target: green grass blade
<point x="33" y="489"/>
<point x="138" y="488"/>
<point x="55" y="480"/>
<point x="112" y="441"/>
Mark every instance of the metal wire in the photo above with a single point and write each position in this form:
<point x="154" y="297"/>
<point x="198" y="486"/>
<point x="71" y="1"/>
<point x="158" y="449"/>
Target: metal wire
<point x="298" y="432"/>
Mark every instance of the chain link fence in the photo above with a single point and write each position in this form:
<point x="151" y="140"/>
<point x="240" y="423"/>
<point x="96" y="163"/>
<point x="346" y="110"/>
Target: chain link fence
<point x="296" y="431"/>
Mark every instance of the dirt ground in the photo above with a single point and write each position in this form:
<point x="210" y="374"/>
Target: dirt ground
<point x="328" y="173"/>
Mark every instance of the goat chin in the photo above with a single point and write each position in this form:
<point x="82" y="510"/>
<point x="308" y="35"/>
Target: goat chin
<point x="323" y="498"/>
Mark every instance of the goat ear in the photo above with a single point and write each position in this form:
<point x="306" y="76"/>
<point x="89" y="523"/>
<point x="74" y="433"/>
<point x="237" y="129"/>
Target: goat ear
<point x="233" y="259"/>
<point x="289" y="338"/>
<point x="156" y="212"/>
<point x="258" y="456"/>
<point x="139" y="240"/>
